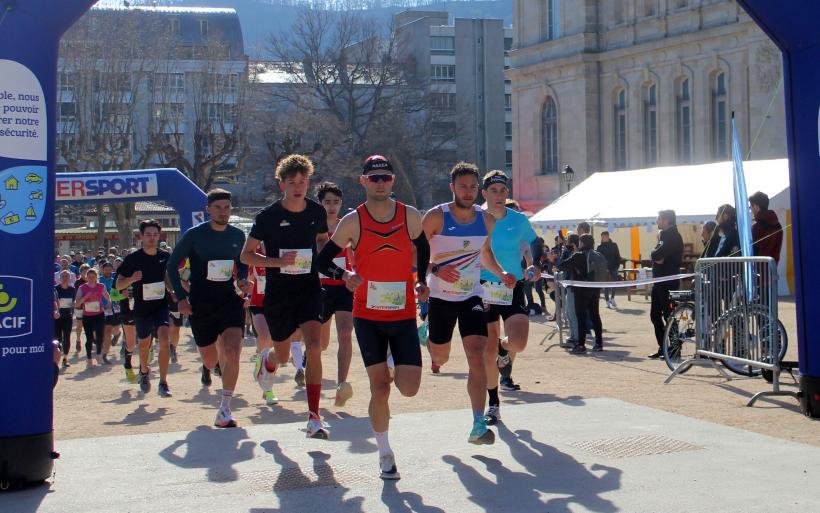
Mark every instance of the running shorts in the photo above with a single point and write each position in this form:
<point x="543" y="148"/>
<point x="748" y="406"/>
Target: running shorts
<point x="148" y="324"/>
<point x="444" y="314"/>
<point x="335" y="298"/>
<point x="375" y="337"/>
<point x="285" y="312"/>
<point x="209" y="320"/>
<point x="113" y="320"/>
<point x="176" y="318"/>
<point x="518" y="306"/>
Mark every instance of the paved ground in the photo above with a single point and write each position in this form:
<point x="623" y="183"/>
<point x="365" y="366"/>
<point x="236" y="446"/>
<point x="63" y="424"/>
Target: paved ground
<point x="598" y="455"/>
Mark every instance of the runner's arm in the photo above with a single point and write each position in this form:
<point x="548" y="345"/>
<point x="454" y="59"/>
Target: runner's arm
<point x="241" y="267"/>
<point x="537" y="249"/>
<point x="488" y="260"/>
<point x="342" y="237"/>
<point x="181" y="251"/>
<point x="431" y="225"/>
<point x="419" y="238"/>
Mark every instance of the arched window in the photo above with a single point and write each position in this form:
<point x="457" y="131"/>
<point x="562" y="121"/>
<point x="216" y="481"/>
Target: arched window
<point x="550" y="138"/>
<point x="684" y="122"/>
<point x="619" y="131"/>
<point x="720" y="118"/>
<point x="650" y="128"/>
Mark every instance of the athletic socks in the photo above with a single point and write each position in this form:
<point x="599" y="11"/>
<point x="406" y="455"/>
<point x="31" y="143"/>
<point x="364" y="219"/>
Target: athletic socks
<point x="493" y="393"/>
<point x="313" y="394"/>
<point x="128" y="356"/>
<point x="478" y="417"/>
<point x="227" y="395"/>
<point x="383" y="443"/>
<point x="296" y="353"/>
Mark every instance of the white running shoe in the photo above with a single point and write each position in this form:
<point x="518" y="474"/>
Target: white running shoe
<point x="387" y="467"/>
<point x="613" y="303"/>
<point x="316" y="429"/>
<point x="224" y="419"/>
<point x="261" y="374"/>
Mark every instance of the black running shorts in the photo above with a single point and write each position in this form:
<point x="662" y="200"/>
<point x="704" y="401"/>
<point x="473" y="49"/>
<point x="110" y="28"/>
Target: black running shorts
<point x="518" y="306"/>
<point x="149" y="323"/>
<point x="113" y="320"/>
<point x="444" y="314"/>
<point x="126" y="314"/>
<point x="285" y="312"/>
<point x="335" y="298"/>
<point x="209" y="320"/>
<point x="376" y="336"/>
<point x="176" y="319"/>
<point x="256" y="310"/>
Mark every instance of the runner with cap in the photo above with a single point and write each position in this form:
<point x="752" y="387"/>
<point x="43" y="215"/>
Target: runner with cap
<point x="337" y="299"/>
<point x="291" y="228"/>
<point x="459" y="234"/>
<point x="512" y="238"/>
<point x="383" y="233"/>
<point x="215" y="310"/>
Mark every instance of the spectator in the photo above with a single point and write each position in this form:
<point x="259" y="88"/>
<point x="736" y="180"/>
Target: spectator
<point x="609" y="249"/>
<point x="666" y="259"/>
<point x="728" y="241"/>
<point x="78" y="261"/>
<point x="710" y="237"/>
<point x="767" y="233"/>
<point x="583" y="228"/>
<point x="585" y="299"/>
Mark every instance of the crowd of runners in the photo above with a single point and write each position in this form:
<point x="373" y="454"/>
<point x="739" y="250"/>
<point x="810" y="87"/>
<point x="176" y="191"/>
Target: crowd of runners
<point x="374" y="271"/>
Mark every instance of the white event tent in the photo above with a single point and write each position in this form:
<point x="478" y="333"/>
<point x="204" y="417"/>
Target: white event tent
<point x="628" y="199"/>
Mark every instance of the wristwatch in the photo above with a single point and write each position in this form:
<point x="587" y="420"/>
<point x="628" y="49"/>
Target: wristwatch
<point x="434" y="268"/>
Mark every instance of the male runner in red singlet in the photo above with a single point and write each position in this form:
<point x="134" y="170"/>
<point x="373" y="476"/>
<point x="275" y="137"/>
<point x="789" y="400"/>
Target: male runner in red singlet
<point x="383" y="233"/>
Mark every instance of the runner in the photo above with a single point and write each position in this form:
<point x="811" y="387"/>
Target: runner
<point x="62" y="324"/>
<point x="214" y="308"/>
<point x="459" y="234"/>
<point x="337" y="300"/>
<point x="144" y="271"/>
<point x="129" y="331"/>
<point x="78" y="311"/>
<point x="291" y="229"/>
<point x="112" y="314"/>
<point x="263" y="338"/>
<point x="93" y="299"/>
<point x="383" y="233"/>
<point x="512" y="233"/>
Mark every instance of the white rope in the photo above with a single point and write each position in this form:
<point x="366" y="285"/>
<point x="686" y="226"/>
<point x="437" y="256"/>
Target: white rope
<point x="616" y="284"/>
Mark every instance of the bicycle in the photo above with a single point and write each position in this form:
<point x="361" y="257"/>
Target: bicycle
<point x="679" y="339"/>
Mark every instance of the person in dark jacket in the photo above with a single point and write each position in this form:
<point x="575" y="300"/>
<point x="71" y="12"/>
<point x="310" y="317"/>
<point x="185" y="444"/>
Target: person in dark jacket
<point x="586" y="299"/>
<point x="613" y="261"/>
<point x="728" y="241"/>
<point x="666" y="260"/>
<point x="710" y="237"/>
<point x="767" y="233"/>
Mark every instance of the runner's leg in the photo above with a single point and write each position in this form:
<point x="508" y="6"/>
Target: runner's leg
<point x="344" y="333"/>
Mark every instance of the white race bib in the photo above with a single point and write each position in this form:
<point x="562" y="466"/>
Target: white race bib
<point x="156" y="290"/>
<point x="458" y="288"/>
<point x="260" y="284"/>
<point x="386" y="295"/>
<point x="304" y="259"/>
<point x="92" y="306"/>
<point x="340" y="261"/>
<point x="66" y="302"/>
<point x="220" y="270"/>
<point x="496" y="293"/>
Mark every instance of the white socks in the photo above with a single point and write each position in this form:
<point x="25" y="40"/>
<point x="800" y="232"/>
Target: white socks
<point x="383" y="443"/>
<point x="227" y="395"/>
<point x="296" y="353"/>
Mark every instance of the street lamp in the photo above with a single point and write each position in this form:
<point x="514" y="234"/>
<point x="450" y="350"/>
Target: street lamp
<point x="568" y="173"/>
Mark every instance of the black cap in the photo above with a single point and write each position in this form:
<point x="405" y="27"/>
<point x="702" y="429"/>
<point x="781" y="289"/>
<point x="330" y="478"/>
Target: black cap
<point x="376" y="162"/>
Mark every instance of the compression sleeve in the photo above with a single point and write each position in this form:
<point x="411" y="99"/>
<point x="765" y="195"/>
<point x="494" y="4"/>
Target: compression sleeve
<point x="325" y="264"/>
<point x="422" y="256"/>
<point x="179" y="254"/>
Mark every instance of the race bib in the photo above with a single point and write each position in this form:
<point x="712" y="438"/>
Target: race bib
<point x="156" y="290"/>
<point x="458" y="288"/>
<point x="386" y="295"/>
<point x="304" y="259"/>
<point x="496" y="293"/>
<point x="220" y="270"/>
<point x="66" y="302"/>
<point x="92" y="306"/>
<point x="260" y="284"/>
<point x="340" y="261"/>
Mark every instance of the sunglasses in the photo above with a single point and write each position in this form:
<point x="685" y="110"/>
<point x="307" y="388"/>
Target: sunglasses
<point x="376" y="178"/>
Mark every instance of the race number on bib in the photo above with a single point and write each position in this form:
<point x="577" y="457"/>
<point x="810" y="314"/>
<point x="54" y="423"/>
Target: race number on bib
<point x="66" y="302"/>
<point x="304" y="259"/>
<point x="458" y="288"/>
<point x="92" y="306"/>
<point x="496" y="293"/>
<point x="386" y="295"/>
<point x="156" y="290"/>
<point x="339" y="261"/>
<point x="220" y="270"/>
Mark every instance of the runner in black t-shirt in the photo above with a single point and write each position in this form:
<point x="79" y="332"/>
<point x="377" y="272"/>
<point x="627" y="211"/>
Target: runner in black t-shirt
<point x="290" y="229"/>
<point x="144" y="271"/>
<point x="62" y="324"/>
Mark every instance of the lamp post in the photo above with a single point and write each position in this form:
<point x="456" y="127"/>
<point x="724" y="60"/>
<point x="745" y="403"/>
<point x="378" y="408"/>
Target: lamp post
<point x="568" y="173"/>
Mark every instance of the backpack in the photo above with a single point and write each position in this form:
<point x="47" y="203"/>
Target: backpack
<point x="597" y="269"/>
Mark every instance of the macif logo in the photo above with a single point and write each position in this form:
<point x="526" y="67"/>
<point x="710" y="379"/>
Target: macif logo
<point x="15" y="306"/>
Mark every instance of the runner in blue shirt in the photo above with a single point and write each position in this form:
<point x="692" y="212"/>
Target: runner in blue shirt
<point x="511" y="240"/>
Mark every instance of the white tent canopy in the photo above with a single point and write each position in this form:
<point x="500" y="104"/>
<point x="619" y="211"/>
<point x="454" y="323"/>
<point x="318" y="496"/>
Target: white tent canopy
<point x="630" y="198"/>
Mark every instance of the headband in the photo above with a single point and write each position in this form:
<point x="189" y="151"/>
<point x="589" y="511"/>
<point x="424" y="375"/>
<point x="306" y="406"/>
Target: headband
<point x="502" y="179"/>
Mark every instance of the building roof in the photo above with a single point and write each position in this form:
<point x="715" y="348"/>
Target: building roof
<point x="140" y="207"/>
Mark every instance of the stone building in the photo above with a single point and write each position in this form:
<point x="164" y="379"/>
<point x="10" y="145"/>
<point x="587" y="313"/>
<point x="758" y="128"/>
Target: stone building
<point x="627" y="84"/>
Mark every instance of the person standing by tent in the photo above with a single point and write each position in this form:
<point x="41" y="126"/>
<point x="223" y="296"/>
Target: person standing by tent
<point x="767" y="233"/>
<point x="609" y="249"/>
<point x="666" y="260"/>
<point x="708" y="235"/>
<point x="728" y="242"/>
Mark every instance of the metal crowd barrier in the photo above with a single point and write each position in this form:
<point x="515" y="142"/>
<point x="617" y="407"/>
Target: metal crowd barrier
<point x="561" y="320"/>
<point x="736" y="319"/>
